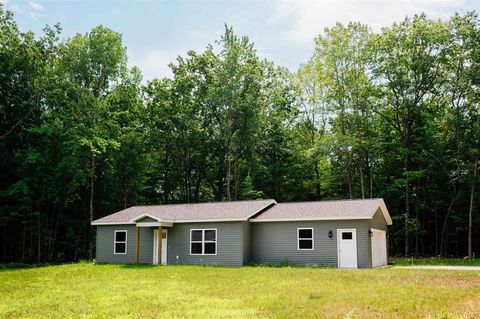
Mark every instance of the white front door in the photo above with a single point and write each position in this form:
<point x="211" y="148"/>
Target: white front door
<point x="164" y="246"/>
<point x="347" y="248"/>
<point x="379" y="248"/>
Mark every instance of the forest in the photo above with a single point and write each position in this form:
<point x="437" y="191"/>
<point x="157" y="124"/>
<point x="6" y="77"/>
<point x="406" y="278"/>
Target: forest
<point x="390" y="114"/>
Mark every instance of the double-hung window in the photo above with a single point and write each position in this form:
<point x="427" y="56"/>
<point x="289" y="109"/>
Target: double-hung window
<point x="120" y="242"/>
<point x="305" y="238"/>
<point x="203" y="242"/>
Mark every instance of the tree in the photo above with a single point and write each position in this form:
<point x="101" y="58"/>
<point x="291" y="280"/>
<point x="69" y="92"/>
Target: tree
<point x="406" y="66"/>
<point x="94" y="62"/>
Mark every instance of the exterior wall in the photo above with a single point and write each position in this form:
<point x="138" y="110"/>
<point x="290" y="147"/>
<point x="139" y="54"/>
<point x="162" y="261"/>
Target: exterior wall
<point x="105" y="240"/>
<point x="377" y="222"/>
<point x="230" y="244"/>
<point x="239" y="243"/>
<point x="274" y="242"/>
<point x="246" y="242"/>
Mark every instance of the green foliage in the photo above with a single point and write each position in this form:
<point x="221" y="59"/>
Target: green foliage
<point x="248" y="192"/>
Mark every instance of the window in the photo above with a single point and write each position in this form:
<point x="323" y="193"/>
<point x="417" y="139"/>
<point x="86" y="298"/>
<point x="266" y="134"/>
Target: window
<point x="347" y="235"/>
<point x="305" y="238"/>
<point x="203" y="241"/>
<point x="120" y="242"/>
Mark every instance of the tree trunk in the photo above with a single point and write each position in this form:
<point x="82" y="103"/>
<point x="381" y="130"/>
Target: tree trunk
<point x="24" y="239"/>
<point x="370" y="176"/>
<point x="317" y="182"/>
<point x="470" y="210"/>
<point x="38" y="240"/>
<point x="362" y="186"/>
<point x="235" y="177"/>
<point x="436" y="231"/>
<point x="349" y="180"/>
<point x="5" y="243"/>
<point x="229" y="172"/>
<point x="92" y="193"/>
<point x="220" y="177"/>
<point x="444" y="228"/>
<point x="317" y="172"/>
<point x="229" y="163"/>
<point x="407" y="199"/>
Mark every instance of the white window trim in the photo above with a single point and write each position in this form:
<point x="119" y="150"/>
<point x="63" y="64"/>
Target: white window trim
<point x="115" y="242"/>
<point x="298" y="238"/>
<point x="203" y="241"/>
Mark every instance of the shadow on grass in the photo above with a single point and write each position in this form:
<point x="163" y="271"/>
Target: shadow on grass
<point x="21" y="266"/>
<point x="138" y="266"/>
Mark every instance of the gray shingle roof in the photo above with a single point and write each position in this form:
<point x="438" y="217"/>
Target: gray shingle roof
<point x="324" y="210"/>
<point x="237" y="210"/>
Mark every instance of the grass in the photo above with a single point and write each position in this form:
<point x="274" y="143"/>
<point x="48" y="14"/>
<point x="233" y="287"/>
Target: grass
<point x="434" y="261"/>
<point x="106" y="291"/>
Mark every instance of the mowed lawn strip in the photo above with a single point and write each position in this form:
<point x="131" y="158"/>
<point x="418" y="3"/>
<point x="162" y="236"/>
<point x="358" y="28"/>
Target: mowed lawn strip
<point x="122" y="291"/>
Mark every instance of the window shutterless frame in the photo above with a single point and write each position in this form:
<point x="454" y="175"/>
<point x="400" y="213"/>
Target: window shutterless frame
<point x="203" y="241"/>
<point x="305" y="238"/>
<point x="115" y="242"/>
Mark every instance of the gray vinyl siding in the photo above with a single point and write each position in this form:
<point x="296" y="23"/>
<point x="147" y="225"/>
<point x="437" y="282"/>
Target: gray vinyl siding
<point x="230" y="244"/>
<point x="246" y="242"/>
<point x="105" y="242"/>
<point x="274" y="242"/>
<point x="377" y="222"/>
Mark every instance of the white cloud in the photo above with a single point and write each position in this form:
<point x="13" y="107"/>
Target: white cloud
<point x="35" y="6"/>
<point x="31" y="8"/>
<point x="309" y="18"/>
<point x="153" y="64"/>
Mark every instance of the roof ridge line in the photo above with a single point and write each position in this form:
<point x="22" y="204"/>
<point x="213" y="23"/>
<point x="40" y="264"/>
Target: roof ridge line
<point x="222" y="202"/>
<point x="332" y="200"/>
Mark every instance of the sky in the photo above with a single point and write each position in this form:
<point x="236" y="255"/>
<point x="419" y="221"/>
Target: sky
<point x="156" y="32"/>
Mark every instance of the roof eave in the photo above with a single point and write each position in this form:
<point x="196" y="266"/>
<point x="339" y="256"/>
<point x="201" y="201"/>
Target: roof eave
<point x="311" y="219"/>
<point x="386" y="214"/>
<point x="100" y="223"/>
<point x="210" y="220"/>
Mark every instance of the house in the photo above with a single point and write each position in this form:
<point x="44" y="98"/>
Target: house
<point x="344" y="233"/>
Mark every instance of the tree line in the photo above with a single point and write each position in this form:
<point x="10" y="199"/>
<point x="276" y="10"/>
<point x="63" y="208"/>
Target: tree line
<point x="392" y="114"/>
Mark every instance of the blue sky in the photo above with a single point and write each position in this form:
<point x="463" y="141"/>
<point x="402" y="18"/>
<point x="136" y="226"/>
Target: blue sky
<point x="155" y="32"/>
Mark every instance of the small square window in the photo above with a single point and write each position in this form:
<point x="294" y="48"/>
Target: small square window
<point x="196" y="235"/>
<point x="120" y="236"/>
<point x="210" y="248"/>
<point x="347" y="235"/>
<point x="120" y="248"/>
<point x="210" y="235"/>
<point x="305" y="244"/>
<point x="196" y="248"/>
<point x="203" y="242"/>
<point x="305" y="233"/>
<point x="305" y="238"/>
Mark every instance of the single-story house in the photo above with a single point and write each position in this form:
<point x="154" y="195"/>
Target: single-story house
<point x="343" y="233"/>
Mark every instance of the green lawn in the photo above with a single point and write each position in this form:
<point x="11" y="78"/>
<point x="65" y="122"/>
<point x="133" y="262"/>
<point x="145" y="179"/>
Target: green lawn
<point x="107" y="291"/>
